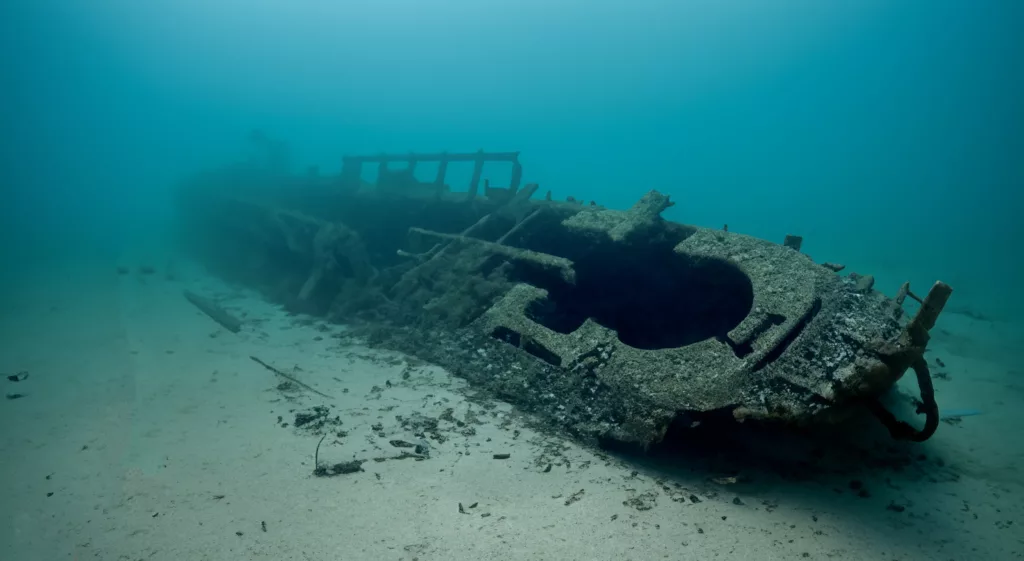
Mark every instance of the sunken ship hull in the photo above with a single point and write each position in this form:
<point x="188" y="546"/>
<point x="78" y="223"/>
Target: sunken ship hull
<point x="612" y="324"/>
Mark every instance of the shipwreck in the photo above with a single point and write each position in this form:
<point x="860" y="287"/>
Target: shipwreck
<point x="612" y="324"/>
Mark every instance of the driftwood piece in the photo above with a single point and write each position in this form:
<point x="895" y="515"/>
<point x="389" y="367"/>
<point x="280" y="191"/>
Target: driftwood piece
<point x="518" y="227"/>
<point x="643" y="215"/>
<point x="563" y="266"/>
<point x="215" y="312"/>
<point x="289" y="377"/>
<point x="433" y="254"/>
<point x="516" y="207"/>
<point x="438" y="249"/>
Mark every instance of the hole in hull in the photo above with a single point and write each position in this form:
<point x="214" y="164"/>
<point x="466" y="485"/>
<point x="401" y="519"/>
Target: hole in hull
<point x="652" y="299"/>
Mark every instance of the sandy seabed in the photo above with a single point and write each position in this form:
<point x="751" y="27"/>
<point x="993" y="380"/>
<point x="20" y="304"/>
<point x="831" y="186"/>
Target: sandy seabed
<point x="144" y="431"/>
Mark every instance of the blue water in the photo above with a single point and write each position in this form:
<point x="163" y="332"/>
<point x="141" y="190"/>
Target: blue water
<point x="888" y="134"/>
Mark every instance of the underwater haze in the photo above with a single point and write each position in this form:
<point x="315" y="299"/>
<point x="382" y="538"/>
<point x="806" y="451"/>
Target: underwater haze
<point x="889" y="135"/>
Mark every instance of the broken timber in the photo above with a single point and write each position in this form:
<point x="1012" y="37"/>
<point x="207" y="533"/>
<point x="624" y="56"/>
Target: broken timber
<point x="215" y="312"/>
<point x="289" y="377"/>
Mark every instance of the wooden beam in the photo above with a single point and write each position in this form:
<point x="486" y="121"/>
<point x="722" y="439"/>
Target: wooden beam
<point x="215" y="312"/>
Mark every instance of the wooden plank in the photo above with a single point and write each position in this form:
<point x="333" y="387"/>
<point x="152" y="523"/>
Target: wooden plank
<point x="215" y="312"/>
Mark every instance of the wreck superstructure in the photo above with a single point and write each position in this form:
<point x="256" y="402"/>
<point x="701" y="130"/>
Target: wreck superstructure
<point x="614" y="324"/>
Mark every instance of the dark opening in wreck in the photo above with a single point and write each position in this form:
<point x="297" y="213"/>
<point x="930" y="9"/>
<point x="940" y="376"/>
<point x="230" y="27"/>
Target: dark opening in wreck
<point x="685" y="303"/>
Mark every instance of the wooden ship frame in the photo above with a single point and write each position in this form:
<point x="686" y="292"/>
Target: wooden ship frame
<point x="613" y="325"/>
